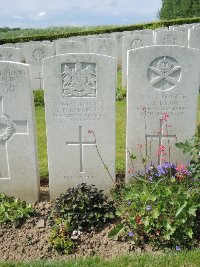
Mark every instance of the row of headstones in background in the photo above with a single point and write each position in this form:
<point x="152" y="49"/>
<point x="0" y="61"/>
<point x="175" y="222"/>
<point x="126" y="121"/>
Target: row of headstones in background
<point x="116" y="46"/>
<point x="80" y="116"/>
<point x="164" y="37"/>
<point x="34" y="52"/>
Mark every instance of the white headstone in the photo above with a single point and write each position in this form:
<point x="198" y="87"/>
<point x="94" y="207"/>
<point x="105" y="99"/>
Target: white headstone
<point x="10" y="54"/>
<point x="34" y="53"/>
<point x="194" y="40"/>
<point x="18" y="164"/>
<point x="131" y="42"/>
<point x="64" y="47"/>
<point x="118" y="36"/>
<point x="161" y="29"/>
<point x="79" y="101"/>
<point x="163" y="85"/>
<point x="179" y="28"/>
<point x="8" y="45"/>
<point x="104" y="46"/>
<point x="171" y="38"/>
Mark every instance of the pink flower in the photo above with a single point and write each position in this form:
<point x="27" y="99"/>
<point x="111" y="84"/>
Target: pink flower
<point x="162" y="148"/>
<point x="165" y="116"/>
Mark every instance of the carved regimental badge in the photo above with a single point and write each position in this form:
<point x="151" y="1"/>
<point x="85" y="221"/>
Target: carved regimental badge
<point x="136" y="43"/>
<point x="6" y="128"/>
<point x="164" y="73"/>
<point x="79" y="80"/>
<point x="38" y="54"/>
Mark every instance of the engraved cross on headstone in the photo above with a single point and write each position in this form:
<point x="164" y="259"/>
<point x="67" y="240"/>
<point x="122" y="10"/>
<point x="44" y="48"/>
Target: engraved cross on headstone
<point x="160" y="137"/>
<point x="81" y="143"/>
<point x="8" y="128"/>
<point x="40" y="78"/>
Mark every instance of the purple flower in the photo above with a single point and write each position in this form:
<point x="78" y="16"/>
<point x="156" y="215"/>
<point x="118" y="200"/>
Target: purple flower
<point x="169" y="165"/>
<point x="130" y="234"/>
<point x="161" y="170"/>
<point x="148" y="207"/>
<point x="178" y="248"/>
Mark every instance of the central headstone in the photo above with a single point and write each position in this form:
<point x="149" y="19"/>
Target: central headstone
<point x="162" y="103"/>
<point x="80" y="116"/>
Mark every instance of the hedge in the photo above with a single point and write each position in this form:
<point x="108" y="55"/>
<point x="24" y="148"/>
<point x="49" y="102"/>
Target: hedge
<point x="106" y="29"/>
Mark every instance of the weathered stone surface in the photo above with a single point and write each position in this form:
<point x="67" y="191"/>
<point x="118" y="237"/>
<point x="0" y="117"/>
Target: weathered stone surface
<point x="18" y="164"/>
<point x="34" y="54"/>
<point x="104" y="46"/>
<point x="171" y="38"/>
<point x="64" y="47"/>
<point x="194" y="40"/>
<point x="80" y="102"/>
<point x="138" y="39"/>
<point x="162" y="102"/>
<point x="10" y="54"/>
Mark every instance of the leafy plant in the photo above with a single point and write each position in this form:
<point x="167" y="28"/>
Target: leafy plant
<point x="38" y="98"/>
<point x="121" y="93"/>
<point x="191" y="147"/>
<point x="159" y="206"/>
<point x="84" y="208"/>
<point x="60" y="237"/>
<point x="14" y="210"/>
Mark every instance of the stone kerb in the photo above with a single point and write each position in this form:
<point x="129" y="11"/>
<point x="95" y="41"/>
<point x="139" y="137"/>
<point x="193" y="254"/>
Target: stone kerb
<point x="19" y="164"/>
<point x="131" y="42"/>
<point x="34" y="54"/>
<point x="171" y="37"/>
<point x="162" y="103"/>
<point x="10" y="54"/>
<point x="80" y="117"/>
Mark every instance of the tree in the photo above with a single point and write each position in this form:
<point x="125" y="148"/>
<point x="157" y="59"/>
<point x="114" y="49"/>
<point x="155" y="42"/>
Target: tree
<point x="173" y="9"/>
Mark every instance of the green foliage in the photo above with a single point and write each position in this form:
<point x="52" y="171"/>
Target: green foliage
<point x="81" y="208"/>
<point x="14" y="210"/>
<point x="121" y="93"/>
<point x="173" y="9"/>
<point x="191" y="148"/>
<point x="50" y="34"/>
<point x="159" y="206"/>
<point x="84" y="208"/>
<point x="38" y="98"/>
<point x="60" y="237"/>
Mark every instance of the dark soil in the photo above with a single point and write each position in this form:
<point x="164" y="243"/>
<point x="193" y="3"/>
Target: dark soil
<point x="30" y="240"/>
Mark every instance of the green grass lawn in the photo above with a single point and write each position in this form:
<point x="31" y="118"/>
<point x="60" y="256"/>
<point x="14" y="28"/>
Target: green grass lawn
<point x="182" y="259"/>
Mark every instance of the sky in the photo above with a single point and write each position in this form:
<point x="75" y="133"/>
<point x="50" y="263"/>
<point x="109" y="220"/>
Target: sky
<point x="45" y="13"/>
